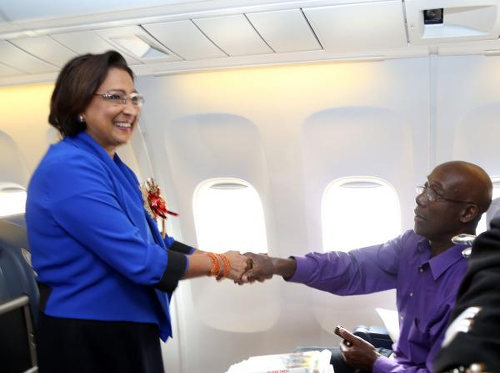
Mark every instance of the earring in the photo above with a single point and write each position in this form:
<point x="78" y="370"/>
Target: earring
<point x="80" y="119"/>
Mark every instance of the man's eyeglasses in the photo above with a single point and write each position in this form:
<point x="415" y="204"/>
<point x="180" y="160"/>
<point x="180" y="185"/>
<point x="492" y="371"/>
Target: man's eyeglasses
<point x="135" y="99"/>
<point x="433" y="196"/>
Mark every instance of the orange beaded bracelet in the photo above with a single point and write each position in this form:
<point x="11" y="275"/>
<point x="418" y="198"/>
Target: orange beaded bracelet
<point x="214" y="271"/>
<point x="227" y="266"/>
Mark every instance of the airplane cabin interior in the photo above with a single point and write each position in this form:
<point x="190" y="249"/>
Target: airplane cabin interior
<point x="271" y="126"/>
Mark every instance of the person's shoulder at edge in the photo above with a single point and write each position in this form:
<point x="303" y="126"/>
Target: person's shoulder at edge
<point x="407" y="239"/>
<point x="66" y="153"/>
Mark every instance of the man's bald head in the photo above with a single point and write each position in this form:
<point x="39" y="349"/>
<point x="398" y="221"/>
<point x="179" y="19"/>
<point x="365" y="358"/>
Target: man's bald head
<point x="468" y="182"/>
<point x="452" y="201"/>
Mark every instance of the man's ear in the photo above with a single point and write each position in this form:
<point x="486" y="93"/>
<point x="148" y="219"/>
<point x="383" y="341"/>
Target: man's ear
<point x="469" y="213"/>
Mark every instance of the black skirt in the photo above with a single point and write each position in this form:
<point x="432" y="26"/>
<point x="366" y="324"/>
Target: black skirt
<point x="89" y="346"/>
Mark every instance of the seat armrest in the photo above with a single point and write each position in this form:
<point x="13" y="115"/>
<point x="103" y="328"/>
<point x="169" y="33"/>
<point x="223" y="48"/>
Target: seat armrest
<point x="378" y="336"/>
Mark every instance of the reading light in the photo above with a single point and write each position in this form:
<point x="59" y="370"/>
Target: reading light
<point x="138" y="47"/>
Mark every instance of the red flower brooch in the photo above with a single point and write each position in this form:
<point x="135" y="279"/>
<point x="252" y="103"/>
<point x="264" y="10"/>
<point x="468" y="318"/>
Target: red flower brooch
<point x="155" y="204"/>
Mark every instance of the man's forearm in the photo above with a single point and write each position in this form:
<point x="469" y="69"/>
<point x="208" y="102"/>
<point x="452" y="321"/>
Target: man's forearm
<point x="264" y="267"/>
<point x="284" y="267"/>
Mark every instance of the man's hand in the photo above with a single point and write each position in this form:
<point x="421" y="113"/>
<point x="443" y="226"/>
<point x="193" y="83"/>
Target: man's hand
<point x="262" y="268"/>
<point x="356" y="351"/>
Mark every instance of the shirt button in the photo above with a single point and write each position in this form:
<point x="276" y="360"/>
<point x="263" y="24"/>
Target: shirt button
<point x="411" y="294"/>
<point x="420" y="269"/>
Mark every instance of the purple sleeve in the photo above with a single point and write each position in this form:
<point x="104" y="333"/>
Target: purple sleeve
<point x="360" y="271"/>
<point x="388" y="365"/>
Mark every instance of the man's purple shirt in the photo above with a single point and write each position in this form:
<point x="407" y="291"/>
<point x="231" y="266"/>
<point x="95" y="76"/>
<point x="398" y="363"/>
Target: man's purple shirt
<point x="426" y="290"/>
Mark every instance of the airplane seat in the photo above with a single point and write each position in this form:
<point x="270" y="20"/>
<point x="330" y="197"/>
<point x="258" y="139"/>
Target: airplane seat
<point x="16" y="274"/>
<point x="493" y="210"/>
<point x="378" y="336"/>
<point x="18" y="299"/>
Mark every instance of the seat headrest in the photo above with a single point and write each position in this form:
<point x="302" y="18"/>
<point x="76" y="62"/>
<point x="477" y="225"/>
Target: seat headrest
<point x="493" y="211"/>
<point x="13" y="231"/>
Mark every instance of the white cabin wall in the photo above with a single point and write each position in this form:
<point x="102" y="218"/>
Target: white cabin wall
<point x="370" y="129"/>
<point x="468" y="115"/>
<point x="261" y="125"/>
<point x="25" y="136"/>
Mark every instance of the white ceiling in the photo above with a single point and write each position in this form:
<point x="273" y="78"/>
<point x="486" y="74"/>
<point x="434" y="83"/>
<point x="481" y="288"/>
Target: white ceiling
<point x="37" y="37"/>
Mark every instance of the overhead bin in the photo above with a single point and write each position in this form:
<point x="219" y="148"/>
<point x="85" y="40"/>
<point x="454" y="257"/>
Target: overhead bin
<point x="233" y="34"/>
<point x="359" y="27"/>
<point x="87" y="42"/>
<point x="184" y="39"/>
<point x="285" y="30"/>
<point x="202" y="35"/>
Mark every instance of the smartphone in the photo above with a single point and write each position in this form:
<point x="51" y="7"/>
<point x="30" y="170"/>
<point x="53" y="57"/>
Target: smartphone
<point x="348" y="337"/>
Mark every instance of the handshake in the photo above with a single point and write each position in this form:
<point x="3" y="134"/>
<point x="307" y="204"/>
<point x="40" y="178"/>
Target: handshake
<point x="250" y="267"/>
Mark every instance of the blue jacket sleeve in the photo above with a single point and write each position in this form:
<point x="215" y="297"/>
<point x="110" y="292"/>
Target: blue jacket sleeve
<point x="178" y="246"/>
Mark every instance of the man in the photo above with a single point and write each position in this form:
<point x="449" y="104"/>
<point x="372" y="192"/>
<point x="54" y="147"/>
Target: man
<point x="472" y="341"/>
<point x="422" y="265"/>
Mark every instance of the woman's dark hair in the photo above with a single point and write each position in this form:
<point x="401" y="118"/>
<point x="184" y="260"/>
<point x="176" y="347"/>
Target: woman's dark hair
<point x="75" y="86"/>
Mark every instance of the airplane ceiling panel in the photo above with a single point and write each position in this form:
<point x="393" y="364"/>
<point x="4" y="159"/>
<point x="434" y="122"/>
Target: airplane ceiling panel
<point x="139" y="43"/>
<point x="233" y="34"/>
<point x="58" y="8"/>
<point x="184" y="39"/>
<point x="46" y="49"/>
<point x="285" y="30"/>
<point x="88" y="42"/>
<point x="363" y="27"/>
<point x="14" y="57"/>
<point x="8" y="71"/>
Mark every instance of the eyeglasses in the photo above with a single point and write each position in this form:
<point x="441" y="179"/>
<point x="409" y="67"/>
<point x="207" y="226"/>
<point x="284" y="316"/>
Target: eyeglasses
<point x="433" y="196"/>
<point x="135" y="98"/>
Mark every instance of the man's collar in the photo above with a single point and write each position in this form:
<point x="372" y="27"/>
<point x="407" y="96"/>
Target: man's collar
<point x="440" y="263"/>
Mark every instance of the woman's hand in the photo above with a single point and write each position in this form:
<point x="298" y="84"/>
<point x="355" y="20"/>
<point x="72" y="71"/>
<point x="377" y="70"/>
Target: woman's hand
<point x="239" y="264"/>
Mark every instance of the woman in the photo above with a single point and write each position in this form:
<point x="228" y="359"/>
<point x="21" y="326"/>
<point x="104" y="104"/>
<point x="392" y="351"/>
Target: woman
<point x="104" y="271"/>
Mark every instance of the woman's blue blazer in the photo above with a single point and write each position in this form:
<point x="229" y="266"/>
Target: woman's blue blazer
<point x="97" y="253"/>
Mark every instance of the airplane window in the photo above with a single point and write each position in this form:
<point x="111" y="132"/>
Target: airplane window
<point x="12" y="199"/>
<point x="495" y="206"/>
<point x="358" y="212"/>
<point x="229" y="216"/>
